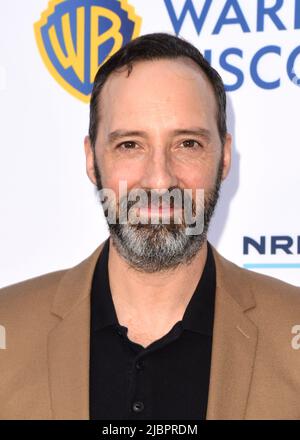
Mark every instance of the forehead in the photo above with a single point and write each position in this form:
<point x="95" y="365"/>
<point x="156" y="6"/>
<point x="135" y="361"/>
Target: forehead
<point x="166" y="91"/>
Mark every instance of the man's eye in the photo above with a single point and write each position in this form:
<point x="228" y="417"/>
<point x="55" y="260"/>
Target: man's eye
<point x="191" y="143"/>
<point x="128" y="145"/>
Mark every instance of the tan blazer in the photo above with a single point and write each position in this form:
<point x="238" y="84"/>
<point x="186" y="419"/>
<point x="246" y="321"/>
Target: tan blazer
<point x="44" y="369"/>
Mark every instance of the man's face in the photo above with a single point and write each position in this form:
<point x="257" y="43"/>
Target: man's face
<point x="158" y="131"/>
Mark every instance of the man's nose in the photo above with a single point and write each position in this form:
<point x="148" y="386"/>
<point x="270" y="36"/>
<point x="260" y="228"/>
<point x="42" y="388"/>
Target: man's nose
<point x="159" y="172"/>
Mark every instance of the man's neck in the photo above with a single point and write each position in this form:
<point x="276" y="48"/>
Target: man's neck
<point x="156" y="300"/>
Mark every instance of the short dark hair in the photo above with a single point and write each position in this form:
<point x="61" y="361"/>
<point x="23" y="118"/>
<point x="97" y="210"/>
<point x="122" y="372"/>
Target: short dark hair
<point x="156" y="46"/>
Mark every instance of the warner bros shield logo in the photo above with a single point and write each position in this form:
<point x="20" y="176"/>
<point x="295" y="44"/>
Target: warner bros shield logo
<point x="75" y="37"/>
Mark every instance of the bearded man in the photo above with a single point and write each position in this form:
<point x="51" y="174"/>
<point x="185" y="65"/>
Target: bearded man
<point x="155" y="324"/>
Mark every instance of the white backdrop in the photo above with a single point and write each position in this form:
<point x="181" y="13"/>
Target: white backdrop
<point x="50" y="218"/>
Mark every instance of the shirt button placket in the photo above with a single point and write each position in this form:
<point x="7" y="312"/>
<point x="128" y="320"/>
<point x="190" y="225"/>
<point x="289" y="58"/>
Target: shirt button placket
<point x="138" y="407"/>
<point x="139" y="365"/>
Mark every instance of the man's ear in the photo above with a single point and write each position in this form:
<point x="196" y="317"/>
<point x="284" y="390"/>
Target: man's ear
<point x="89" y="155"/>
<point x="227" y="155"/>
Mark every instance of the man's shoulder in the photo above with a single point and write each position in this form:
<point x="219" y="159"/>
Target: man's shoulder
<point x="35" y="290"/>
<point x="270" y="293"/>
<point x="38" y="292"/>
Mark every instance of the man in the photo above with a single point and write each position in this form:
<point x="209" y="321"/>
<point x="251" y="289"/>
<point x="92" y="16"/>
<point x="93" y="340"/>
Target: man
<point x="155" y="323"/>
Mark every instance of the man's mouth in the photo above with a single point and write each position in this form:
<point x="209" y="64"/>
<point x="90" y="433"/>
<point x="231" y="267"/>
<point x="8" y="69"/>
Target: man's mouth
<point x="161" y="210"/>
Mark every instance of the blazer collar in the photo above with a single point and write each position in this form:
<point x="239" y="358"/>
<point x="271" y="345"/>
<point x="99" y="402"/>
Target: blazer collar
<point x="68" y="344"/>
<point x="233" y="351"/>
<point x="75" y="284"/>
<point x="234" y="342"/>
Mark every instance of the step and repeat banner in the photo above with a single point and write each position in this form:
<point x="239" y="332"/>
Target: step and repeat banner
<point x="50" y="217"/>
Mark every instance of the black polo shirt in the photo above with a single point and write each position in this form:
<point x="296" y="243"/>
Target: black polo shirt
<point x="169" y="379"/>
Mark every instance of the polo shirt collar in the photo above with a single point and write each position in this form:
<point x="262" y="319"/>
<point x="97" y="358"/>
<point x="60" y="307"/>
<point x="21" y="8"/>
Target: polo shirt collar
<point x="198" y="315"/>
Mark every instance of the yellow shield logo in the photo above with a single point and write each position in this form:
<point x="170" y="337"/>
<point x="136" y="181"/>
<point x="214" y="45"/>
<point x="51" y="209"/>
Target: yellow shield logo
<point x="75" y="37"/>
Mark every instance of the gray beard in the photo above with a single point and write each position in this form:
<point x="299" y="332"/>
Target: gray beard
<point x="161" y="247"/>
<point x="155" y="249"/>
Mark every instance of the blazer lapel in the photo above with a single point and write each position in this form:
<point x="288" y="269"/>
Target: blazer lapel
<point x="68" y="342"/>
<point x="234" y="343"/>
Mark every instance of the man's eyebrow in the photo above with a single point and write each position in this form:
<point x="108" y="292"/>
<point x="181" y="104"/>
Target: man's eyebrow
<point x="118" y="134"/>
<point x="195" y="131"/>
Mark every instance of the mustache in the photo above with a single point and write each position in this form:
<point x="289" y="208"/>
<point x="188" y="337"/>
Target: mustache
<point x="159" y="200"/>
